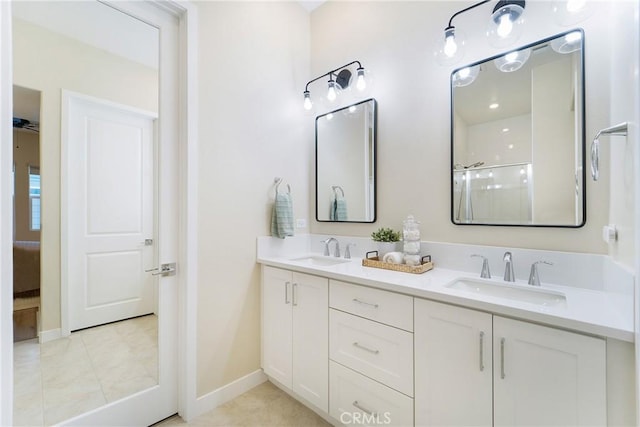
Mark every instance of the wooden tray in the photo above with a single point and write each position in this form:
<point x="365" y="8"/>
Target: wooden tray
<point x="371" y="260"/>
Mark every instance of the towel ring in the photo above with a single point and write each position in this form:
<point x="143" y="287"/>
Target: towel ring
<point x="277" y="181"/>
<point x="337" y="187"/>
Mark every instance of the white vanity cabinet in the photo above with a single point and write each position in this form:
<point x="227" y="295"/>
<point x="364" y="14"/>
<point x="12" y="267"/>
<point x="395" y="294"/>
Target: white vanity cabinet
<point x="474" y="368"/>
<point x="295" y="333"/>
<point x="371" y="356"/>
<point x="453" y="365"/>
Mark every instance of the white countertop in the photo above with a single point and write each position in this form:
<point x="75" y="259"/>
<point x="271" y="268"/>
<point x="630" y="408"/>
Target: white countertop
<point x="600" y="313"/>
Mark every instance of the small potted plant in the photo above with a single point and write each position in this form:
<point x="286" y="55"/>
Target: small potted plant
<point x="386" y="240"/>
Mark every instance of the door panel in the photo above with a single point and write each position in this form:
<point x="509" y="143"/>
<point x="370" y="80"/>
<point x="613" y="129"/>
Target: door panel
<point x="547" y="377"/>
<point x="117" y="203"/>
<point x="453" y="365"/>
<point x="110" y="211"/>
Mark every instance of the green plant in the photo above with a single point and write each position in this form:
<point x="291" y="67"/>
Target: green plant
<point x="385" y="235"/>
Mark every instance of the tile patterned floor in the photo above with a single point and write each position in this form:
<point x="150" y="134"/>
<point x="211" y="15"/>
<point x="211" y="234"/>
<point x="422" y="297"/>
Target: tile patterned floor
<point x="263" y="406"/>
<point x="59" y="379"/>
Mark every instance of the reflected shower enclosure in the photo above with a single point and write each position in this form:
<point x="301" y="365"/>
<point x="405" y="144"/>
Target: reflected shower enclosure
<point x="493" y="193"/>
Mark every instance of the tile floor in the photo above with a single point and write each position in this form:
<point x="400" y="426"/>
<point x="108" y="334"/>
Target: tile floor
<point x="59" y="379"/>
<point x="263" y="406"/>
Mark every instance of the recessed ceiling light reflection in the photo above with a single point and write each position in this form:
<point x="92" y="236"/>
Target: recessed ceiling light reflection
<point x="505" y="130"/>
<point x="494" y="105"/>
<point x="510" y="146"/>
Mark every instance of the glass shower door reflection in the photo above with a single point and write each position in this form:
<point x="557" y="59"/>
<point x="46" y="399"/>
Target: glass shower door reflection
<point x="493" y="194"/>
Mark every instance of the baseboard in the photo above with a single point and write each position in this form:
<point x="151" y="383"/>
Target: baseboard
<point x="228" y="392"/>
<point x="50" y="335"/>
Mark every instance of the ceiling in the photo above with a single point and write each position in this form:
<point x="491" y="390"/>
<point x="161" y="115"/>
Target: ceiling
<point x="310" y="5"/>
<point x="89" y="22"/>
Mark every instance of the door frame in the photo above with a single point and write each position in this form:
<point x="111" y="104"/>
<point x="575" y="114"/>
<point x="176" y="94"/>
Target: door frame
<point x="186" y="14"/>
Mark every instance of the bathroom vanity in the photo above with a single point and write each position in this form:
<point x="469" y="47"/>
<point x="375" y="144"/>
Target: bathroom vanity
<point x="375" y="347"/>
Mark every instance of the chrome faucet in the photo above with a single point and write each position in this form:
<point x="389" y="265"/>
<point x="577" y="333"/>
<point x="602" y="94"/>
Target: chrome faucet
<point x="509" y="276"/>
<point x="485" y="273"/>
<point x="326" y="247"/>
<point x="534" y="277"/>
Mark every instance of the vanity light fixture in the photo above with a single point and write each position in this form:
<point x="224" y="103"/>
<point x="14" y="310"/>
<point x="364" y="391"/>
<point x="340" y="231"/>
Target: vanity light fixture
<point x="339" y="79"/>
<point x="570" y="12"/>
<point x="567" y="44"/>
<point x="512" y="61"/>
<point x="505" y="27"/>
<point x="465" y="76"/>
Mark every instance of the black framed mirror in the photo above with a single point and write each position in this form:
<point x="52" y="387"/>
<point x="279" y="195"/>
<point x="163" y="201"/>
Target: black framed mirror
<point x="346" y="164"/>
<point x="517" y="137"/>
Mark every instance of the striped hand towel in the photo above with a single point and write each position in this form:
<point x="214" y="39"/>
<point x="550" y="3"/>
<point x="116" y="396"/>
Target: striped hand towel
<point x="340" y="209"/>
<point x="282" y="216"/>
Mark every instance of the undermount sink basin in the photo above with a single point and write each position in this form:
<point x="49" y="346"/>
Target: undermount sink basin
<point x="319" y="260"/>
<point x="514" y="292"/>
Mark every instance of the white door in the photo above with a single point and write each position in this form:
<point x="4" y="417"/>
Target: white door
<point x="110" y="211"/>
<point x="276" y="324"/>
<point x="547" y="377"/>
<point x="453" y="366"/>
<point x="310" y="304"/>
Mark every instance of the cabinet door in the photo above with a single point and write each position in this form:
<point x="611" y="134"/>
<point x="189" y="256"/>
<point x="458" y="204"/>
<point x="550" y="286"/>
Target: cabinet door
<point x="310" y="301"/>
<point x="276" y="324"/>
<point x="547" y="377"/>
<point x="453" y="366"/>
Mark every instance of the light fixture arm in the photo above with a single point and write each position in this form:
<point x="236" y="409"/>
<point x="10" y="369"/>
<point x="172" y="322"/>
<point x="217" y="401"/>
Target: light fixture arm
<point x="331" y="73"/>
<point x="473" y="6"/>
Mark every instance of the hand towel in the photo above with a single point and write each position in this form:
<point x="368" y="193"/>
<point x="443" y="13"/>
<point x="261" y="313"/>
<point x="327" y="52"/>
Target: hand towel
<point x="340" y="208"/>
<point x="282" y="215"/>
<point x="393" y="257"/>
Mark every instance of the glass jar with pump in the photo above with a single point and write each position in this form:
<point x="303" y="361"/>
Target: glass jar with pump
<point x="411" y="240"/>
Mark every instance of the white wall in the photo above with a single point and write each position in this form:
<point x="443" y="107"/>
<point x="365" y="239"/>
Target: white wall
<point x="253" y="64"/>
<point x="552" y="112"/>
<point x="394" y="40"/>
<point x="47" y="62"/>
<point x="624" y="69"/>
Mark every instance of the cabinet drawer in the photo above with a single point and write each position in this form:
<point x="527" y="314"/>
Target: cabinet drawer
<point x="358" y="400"/>
<point x="375" y="350"/>
<point x="382" y="306"/>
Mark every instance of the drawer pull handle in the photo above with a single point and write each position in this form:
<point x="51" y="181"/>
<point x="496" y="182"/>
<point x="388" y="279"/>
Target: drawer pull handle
<point x="481" y="351"/>
<point x="362" y="408"/>
<point x="286" y="292"/>
<point x="502" y="373"/>
<point x="355" y="344"/>
<point x="294" y="294"/>
<point x="365" y="303"/>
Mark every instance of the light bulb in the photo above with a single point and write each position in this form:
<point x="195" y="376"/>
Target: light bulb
<point x="331" y="93"/>
<point x="450" y="45"/>
<point x="573" y="37"/>
<point x="329" y="116"/>
<point x="307" y="104"/>
<point x="505" y="26"/>
<point x="352" y="109"/>
<point x="510" y="57"/>
<point x="361" y="83"/>
<point x="464" y="73"/>
<point x="574" y="6"/>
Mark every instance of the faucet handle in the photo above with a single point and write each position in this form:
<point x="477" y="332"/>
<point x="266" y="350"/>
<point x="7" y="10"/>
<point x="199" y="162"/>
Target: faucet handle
<point x="347" y="252"/>
<point x="534" y="277"/>
<point x="485" y="273"/>
<point x="326" y="246"/>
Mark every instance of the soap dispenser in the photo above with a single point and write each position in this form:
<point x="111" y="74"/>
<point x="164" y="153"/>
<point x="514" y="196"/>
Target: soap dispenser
<point x="411" y="240"/>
